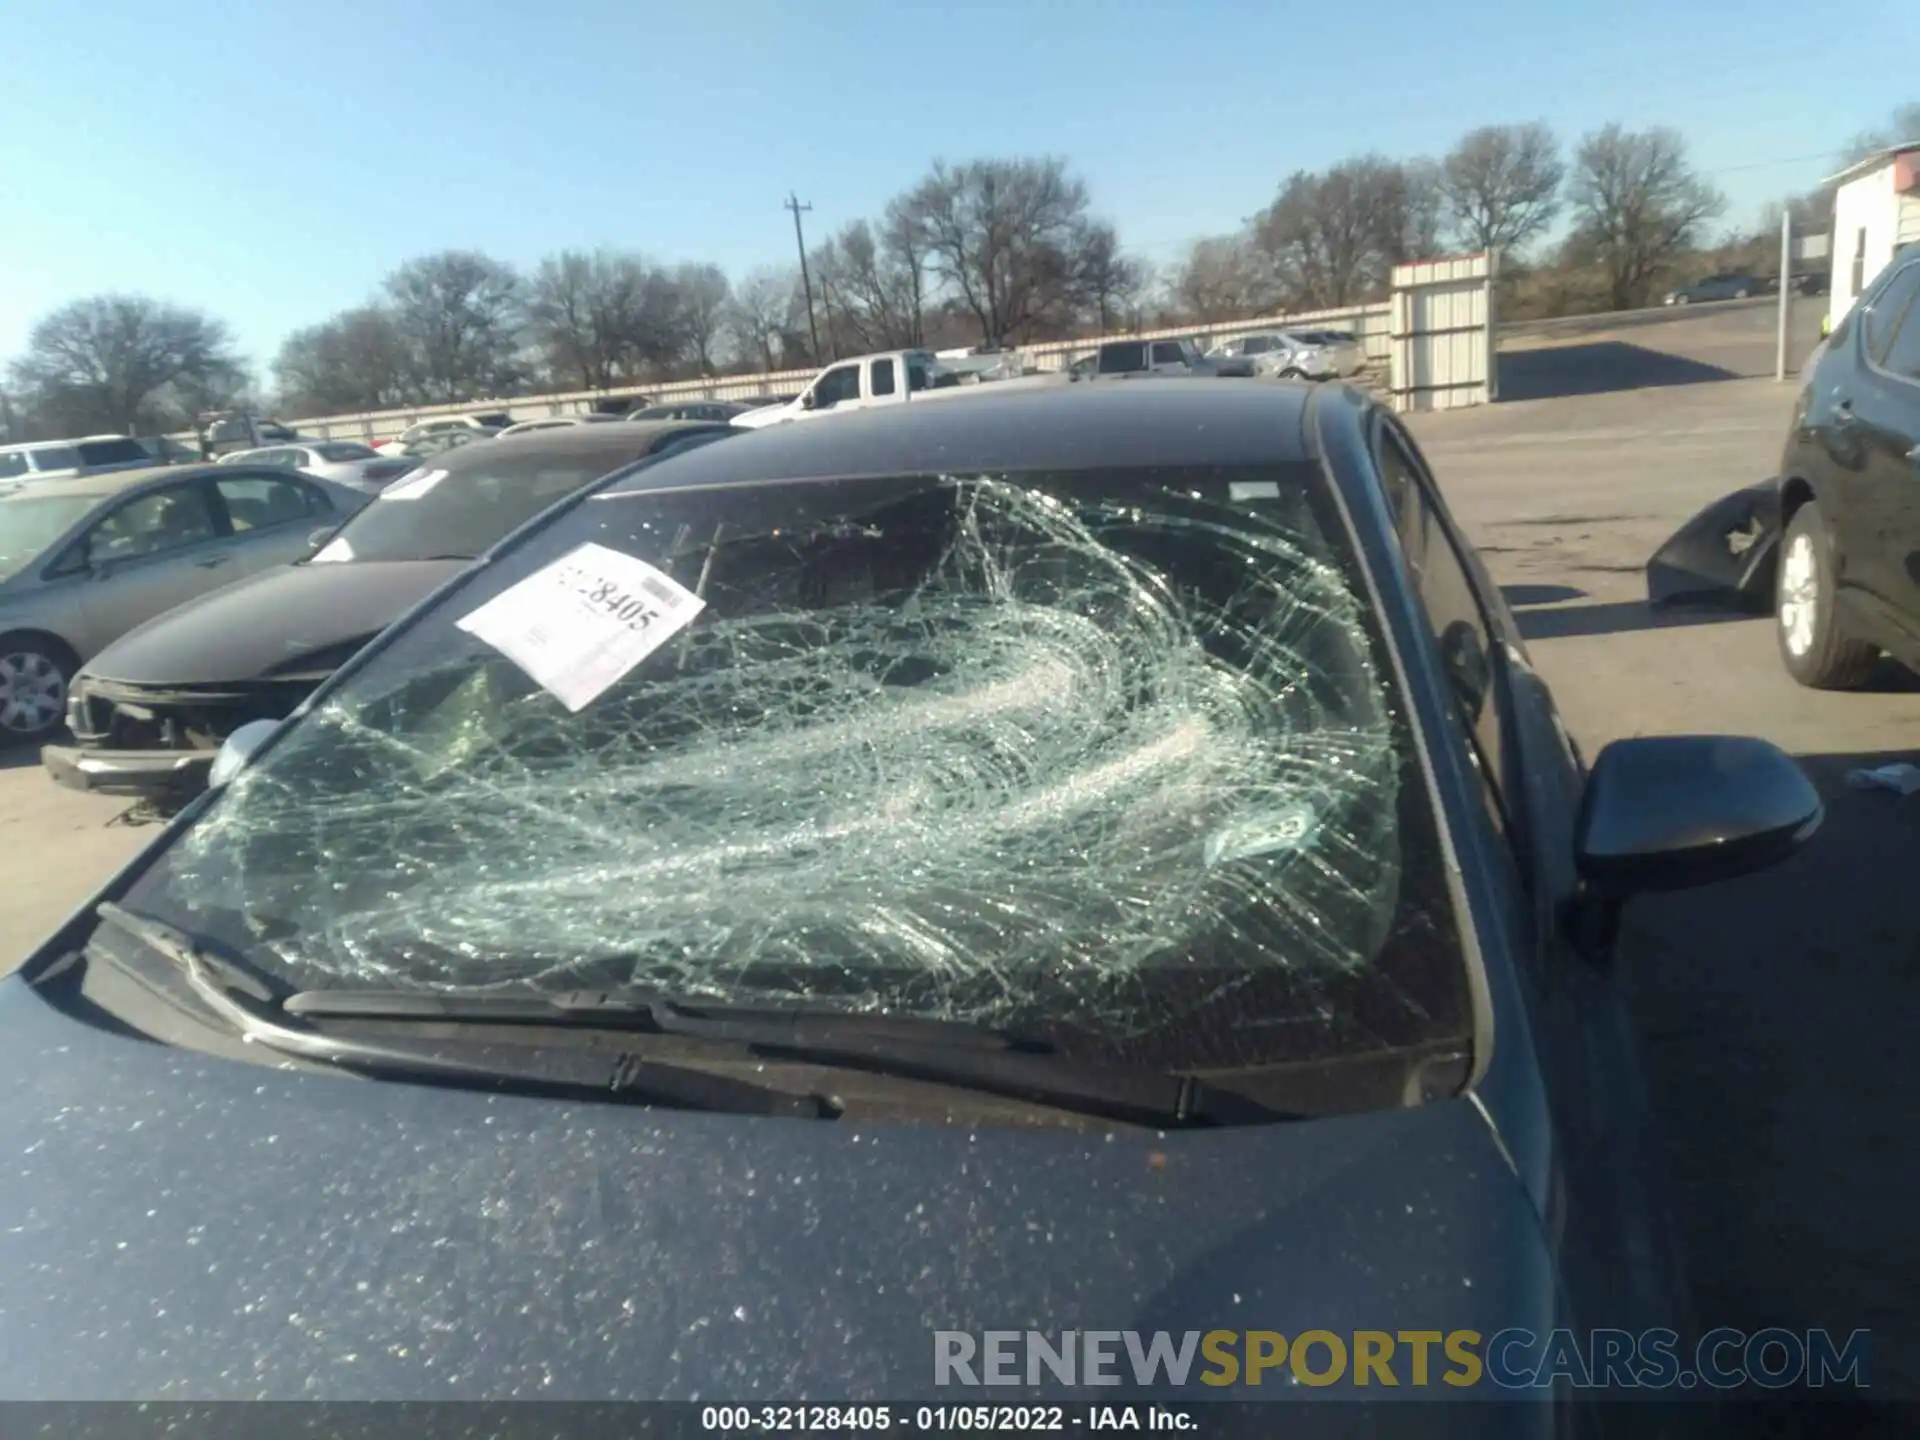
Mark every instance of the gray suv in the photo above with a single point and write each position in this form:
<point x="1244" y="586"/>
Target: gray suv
<point x="63" y="459"/>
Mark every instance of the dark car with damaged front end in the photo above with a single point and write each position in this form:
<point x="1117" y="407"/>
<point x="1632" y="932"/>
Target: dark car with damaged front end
<point x="1832" y="545"/>
<point x="1087" y="857"/>
<point x="148" y="712"/>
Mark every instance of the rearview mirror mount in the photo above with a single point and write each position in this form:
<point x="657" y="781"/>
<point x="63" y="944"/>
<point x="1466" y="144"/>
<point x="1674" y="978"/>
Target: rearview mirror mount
<point x="1674" y="811"/>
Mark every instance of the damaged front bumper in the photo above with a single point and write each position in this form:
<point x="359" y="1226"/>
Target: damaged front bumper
<point x="1724" y="556"/>
<point x="148" y="774"/>
<point x="158" y="743"/>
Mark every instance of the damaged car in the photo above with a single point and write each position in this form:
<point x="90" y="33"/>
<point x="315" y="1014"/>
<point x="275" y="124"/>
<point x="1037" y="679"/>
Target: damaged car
<point x="1832" y="544"/>
<point x="1088" y="852"/>
<point x="148" y="712"/>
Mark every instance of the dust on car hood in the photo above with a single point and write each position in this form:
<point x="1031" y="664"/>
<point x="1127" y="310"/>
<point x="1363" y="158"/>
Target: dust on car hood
<point x="265" y="623"/>
<point x="183" y="1226"/>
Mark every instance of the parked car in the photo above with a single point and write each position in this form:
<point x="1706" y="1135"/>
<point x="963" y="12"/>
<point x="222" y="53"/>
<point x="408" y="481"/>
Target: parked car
<point x="1140" y="359"/>
<point x="221" y="432"/>
<point x="68" y="459"/>
<point x="1297" y="354"/>
<point x="83" y="561"/>
<point x="425" y="447"/>
<point x="1832" y="542"/>
<point x="891" y="377"/>
<point x="555" y="422"/>
<point x="341" y="461"/>
<point x="717" y="411"/>
<point x="478" y="425"/>
<point x="148" y="712"/>
<point x="1716" y="287"/>
<point x="1098" y="851"/>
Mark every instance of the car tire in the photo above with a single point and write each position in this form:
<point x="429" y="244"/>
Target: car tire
<point x="1741" y="294"/>
<point x="1683" y="299"/>
<point x="1817" y="652"/>
<point x="34" y="673"/>
<point x="1290" y="373"/>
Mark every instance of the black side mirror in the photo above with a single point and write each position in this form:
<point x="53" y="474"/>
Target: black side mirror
<point x="1674" y="811"/>
<point x="807" y="402"/>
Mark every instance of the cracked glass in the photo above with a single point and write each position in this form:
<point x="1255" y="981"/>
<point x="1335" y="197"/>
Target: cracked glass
<point x="1110" y="755"/>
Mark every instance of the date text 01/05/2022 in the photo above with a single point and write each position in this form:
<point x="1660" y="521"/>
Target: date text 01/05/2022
<point x="938" y="1419"/>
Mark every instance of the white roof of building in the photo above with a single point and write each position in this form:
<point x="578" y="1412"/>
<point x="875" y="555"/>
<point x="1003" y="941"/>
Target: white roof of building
<point x="1867" y="164"/>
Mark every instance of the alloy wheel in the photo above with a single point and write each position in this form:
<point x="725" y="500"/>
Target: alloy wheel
<point x="1799" y="594"/>
<point x="33" y="692"/>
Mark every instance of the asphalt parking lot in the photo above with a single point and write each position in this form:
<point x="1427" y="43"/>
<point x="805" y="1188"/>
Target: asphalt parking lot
<point x="1774" y="1011"/>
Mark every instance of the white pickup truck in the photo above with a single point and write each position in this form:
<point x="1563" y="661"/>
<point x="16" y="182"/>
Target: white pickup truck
<point x="893" y="377"/>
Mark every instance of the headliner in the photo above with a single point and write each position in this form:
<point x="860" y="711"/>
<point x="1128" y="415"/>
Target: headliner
<point x="1120" y="424"/>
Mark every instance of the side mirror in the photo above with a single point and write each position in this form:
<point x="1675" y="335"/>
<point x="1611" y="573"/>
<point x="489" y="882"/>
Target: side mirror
<point x="1674" y="811"/>
<point x="237" y="750"/>
<point x="807" y="402"/>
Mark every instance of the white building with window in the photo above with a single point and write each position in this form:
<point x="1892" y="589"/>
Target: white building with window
<point x="1876" y="210"/>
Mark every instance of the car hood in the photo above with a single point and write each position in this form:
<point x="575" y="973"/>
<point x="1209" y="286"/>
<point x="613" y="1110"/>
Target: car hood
<point x="265" y="623"/>
<point x="185" y="1226"/>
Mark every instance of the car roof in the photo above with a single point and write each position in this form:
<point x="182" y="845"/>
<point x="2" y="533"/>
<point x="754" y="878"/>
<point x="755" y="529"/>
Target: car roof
<point x="112" y="482"/>
<point x="616" y="445"/>
<point x="1176" y="423"/>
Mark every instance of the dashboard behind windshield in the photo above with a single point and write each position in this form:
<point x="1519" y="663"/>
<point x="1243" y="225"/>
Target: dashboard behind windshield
<point x="1109" y="755"/>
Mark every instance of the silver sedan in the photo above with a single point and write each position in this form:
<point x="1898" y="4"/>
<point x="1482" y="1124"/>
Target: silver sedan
<point x="340" y="461"/>
<point x="84" y="561"/>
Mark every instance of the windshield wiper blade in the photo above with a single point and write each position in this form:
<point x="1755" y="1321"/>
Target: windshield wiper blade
<point x="243" y="1002"/>
<point x="942" y="1052"/>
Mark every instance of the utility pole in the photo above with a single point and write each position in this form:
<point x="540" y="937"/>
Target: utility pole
<point x="1786" y="292"/>
<point x="792" y="203"/>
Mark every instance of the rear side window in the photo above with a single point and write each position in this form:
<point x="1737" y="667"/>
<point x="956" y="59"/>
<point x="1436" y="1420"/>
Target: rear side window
<point x="883" y="377"/>
<point x="58" y="457"/>
<point x="1882" y="318"/>
<point x="1124" y="356"/>
<point x="338" y="454"/>
<point x="112" y="452"/>
<point x="1902" y="356"/>
<point x="1168" y="352"/>
<point x="258" y="502"/>
<point x="12" y="464"/>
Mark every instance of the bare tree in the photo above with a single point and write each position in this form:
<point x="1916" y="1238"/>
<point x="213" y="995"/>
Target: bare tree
<point x="1003" y="234"/>
<point x="762" y="315"/>
<point x="701" y="294"/>
<point x="1903" y="126"/>
<point x="1637" y="204"/>
<point x="355" y="361"/>
<point x="121" y="362"/>
<point x="1329" y="239"/>
<point x="1221" y="278"/>
<point x="589" y="316"/>
<point x="1501" y="185"/>
<point x="876" y="285"/>
<point x="458" y="313"/>
<point x="1107" y="283"/>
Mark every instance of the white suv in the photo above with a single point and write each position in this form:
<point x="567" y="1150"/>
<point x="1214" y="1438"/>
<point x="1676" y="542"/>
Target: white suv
<point x="65" y="459"/>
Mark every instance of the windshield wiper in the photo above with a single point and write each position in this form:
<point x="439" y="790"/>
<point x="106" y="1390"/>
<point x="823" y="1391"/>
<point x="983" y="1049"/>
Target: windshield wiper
<point x="944" y="1052"/>
<point x="243" y="1002"/>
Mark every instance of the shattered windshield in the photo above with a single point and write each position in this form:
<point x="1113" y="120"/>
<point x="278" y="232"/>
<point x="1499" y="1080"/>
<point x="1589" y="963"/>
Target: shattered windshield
<point x="1113" y="755"/>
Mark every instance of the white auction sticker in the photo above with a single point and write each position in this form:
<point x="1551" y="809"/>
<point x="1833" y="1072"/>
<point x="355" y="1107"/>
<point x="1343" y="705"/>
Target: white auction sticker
<point x="413" y="485"/>
<point x="584" y="621"/>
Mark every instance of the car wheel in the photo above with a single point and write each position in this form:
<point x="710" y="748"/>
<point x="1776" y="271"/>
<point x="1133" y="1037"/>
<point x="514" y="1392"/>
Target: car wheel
<point x="1814" y="648"/>
<point x="1741" y="294"/>
<point x="33" y="689"/>
<point x="1290" y="373"/>
<point x="1683" y="299"/>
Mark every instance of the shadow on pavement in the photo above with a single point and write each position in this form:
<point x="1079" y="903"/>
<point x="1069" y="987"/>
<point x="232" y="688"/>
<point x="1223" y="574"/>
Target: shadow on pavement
<point x="1776" y="1016"/>
<point x="1518" y="595"/>
<point x="1612" y="617"/>
<point x="1597" y="367"/>
<point x="18" y="757"/>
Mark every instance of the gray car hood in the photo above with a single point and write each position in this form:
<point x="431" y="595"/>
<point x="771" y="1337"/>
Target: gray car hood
<point x="178" y="1225"/>
<point x="266" y="622"/>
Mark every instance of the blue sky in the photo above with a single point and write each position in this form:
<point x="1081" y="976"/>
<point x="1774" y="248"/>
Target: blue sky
<point x="270" y="163"/>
